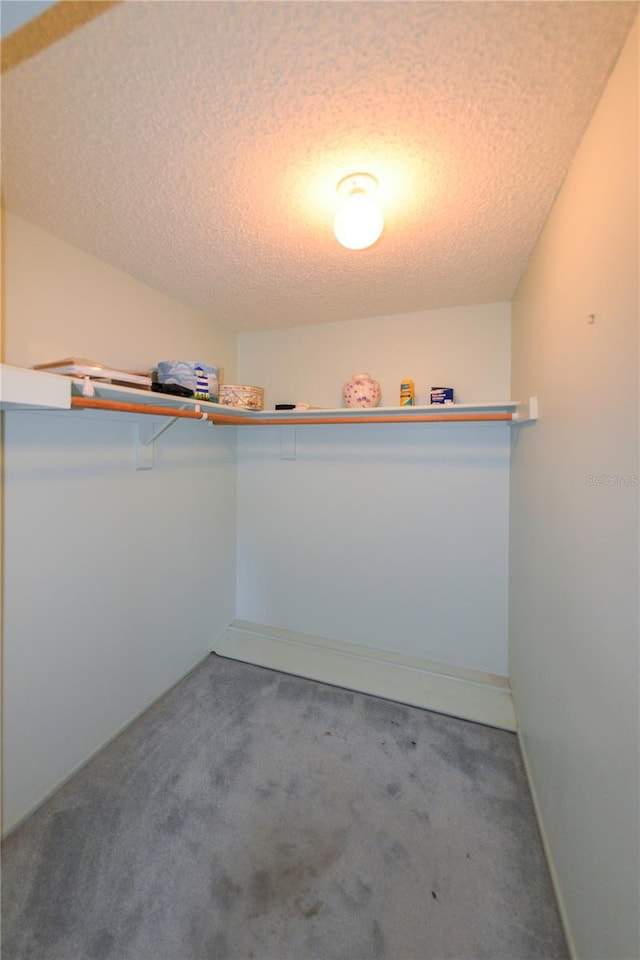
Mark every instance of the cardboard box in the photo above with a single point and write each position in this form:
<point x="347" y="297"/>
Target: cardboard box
<point x="441" y="394"/>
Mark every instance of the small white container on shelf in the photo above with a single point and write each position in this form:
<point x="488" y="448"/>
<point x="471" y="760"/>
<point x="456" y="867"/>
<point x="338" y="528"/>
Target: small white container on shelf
<point x="241" y="395"/>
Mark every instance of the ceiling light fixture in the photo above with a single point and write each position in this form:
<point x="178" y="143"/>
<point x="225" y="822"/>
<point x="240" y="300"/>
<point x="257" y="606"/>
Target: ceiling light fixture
<point x="359" y="221"/>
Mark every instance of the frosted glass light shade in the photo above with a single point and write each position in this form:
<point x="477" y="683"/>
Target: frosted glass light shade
<point x="359" y="221"/>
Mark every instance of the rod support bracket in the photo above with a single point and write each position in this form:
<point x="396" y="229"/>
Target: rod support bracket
<point x="145" y="433"/>
<point x="526" y="412"/>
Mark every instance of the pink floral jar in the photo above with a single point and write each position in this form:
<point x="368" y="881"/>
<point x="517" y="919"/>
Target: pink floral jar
<point x="361" y="391"/>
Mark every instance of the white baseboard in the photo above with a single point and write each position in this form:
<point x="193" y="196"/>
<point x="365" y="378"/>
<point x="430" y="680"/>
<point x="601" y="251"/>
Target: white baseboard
<point x="469" y="694"/>
<point x="547" y="850"/>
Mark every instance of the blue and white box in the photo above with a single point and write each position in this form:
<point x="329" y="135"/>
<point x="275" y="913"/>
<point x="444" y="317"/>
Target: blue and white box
<point x="441" y="394"/>
<point x="183" y="372"/>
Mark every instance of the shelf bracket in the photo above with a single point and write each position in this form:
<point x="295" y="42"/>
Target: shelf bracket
<point x="526" y="412"/>
<point x="169" y="422"/>
<point x="144" y="437"/>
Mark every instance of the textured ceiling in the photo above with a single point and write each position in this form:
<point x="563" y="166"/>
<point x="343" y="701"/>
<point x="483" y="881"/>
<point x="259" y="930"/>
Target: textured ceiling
<point x="197" y="145"/>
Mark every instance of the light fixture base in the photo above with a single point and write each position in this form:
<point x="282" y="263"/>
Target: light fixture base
<point x="357" y="183"/>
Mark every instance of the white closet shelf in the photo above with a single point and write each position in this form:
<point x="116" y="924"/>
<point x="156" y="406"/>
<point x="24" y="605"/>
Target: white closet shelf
<point x="444" y="408"/>
<point x="24" y="389"/>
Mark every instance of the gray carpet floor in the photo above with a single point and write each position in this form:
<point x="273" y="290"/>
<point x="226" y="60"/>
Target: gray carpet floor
<point x="250" y="814"/>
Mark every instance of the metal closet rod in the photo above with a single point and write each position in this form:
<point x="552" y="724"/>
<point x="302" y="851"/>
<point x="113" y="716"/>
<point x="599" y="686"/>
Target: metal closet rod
<point x="228" y="419"/>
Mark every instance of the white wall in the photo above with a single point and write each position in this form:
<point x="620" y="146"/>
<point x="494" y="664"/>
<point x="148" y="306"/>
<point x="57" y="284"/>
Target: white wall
<point x="393" y="537"/>
<point x="61" y="302"/>
<point x="116" y="582"/>
<point x="574" y="540"/>
<point x="463" y="347"/>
